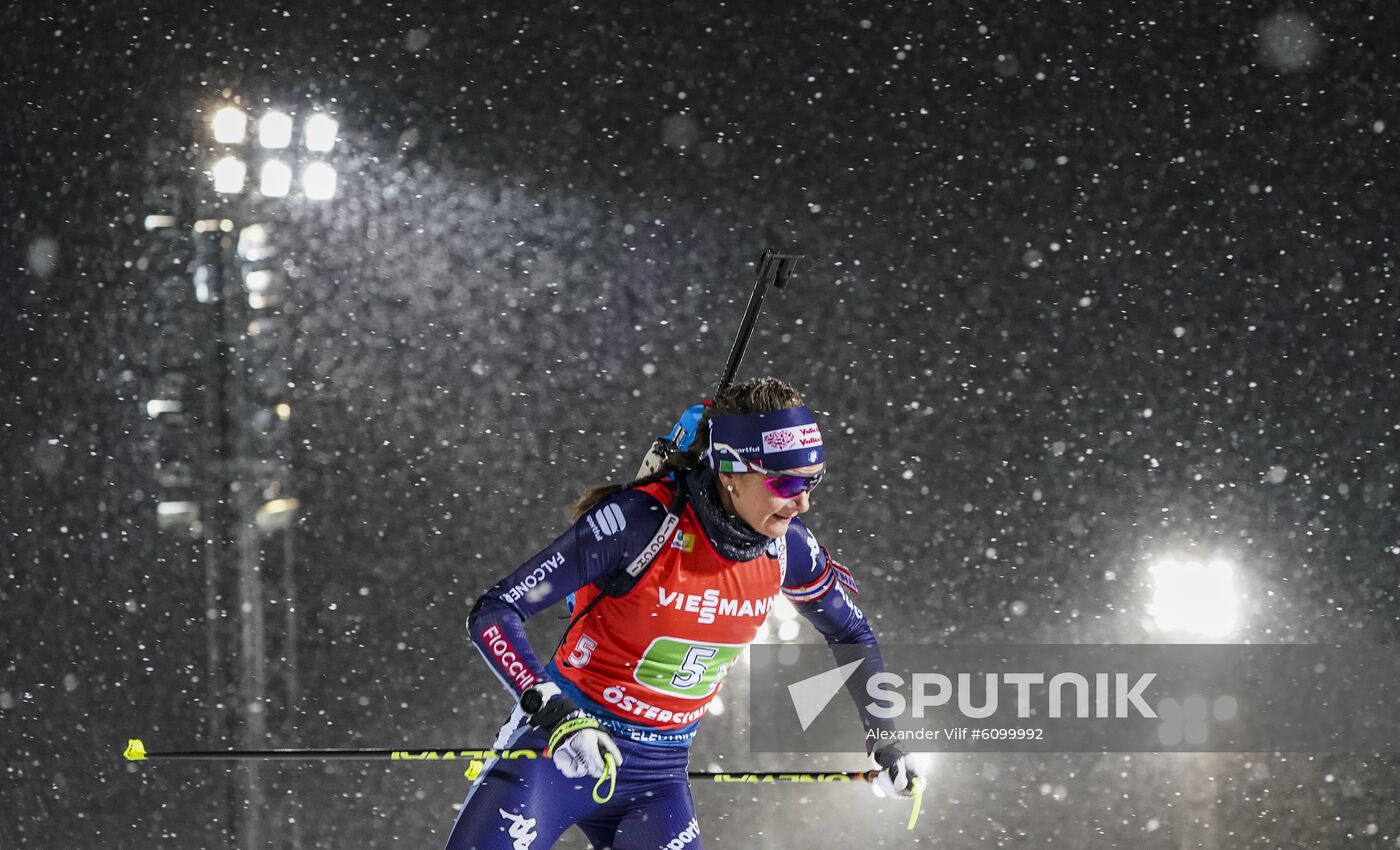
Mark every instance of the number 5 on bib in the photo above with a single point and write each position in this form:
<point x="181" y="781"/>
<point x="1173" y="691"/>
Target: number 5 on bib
<point x="685" y="669"/>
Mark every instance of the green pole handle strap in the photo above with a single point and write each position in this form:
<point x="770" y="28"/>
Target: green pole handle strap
<point x="569" y="727"/>
<point x="918" y="800"/>
<point x="609" y="776"/>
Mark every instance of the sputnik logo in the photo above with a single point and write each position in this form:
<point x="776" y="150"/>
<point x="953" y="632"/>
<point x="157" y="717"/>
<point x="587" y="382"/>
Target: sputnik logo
<point x="812" y="694"/>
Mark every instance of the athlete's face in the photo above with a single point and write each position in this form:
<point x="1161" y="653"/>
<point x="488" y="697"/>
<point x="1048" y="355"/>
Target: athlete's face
<point x="751" y="500"/>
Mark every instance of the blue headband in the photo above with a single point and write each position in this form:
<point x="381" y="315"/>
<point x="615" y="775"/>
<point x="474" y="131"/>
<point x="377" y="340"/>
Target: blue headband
<point x="775" y="441"/>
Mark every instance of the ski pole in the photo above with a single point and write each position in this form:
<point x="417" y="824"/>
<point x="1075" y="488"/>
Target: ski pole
<point x="476" y="759"/>
<point x="136" y="751"/>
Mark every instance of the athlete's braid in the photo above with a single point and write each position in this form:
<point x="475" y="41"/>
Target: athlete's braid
<point x="756" y="395"/>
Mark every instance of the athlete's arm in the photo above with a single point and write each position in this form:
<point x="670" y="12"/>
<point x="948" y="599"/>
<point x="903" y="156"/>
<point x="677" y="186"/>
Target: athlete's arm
<point x="605" y="539"/>
<point x="821" y="589"/>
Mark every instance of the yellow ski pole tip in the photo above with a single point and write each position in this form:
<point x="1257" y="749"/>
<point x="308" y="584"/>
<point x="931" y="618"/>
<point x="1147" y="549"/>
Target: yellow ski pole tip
<point x="918" y="800"/>
<point x="135" y="750"/>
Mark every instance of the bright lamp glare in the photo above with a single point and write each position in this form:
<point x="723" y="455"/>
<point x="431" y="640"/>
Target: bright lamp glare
<point x="275" y="130"/>
<point x="321" y="131"/>
<point x="276" y="514"/>
<point x="255" y="243"/>
<point x="229" y="174"/>
<point x="318" y="181"/>
<point x="789" y="630"/>
<point x="258" y="280"/>
<point x="158" y="406"/>
<point x="276" y="179"/>
<point x="230" y="125"/>
<point x="1194" y="596"/>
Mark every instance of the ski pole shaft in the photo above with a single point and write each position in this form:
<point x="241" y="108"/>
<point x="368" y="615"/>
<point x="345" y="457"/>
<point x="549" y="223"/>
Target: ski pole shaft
<point x="779" y="776"/>
<point x="136" y="751"/>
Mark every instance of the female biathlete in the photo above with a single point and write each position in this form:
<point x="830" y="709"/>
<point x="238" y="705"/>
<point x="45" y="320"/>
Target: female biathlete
<point x="623" y="694"/>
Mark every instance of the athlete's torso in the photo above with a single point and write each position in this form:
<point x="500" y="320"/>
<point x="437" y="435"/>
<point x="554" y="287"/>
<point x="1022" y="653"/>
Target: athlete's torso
<point x="656" y="656"/>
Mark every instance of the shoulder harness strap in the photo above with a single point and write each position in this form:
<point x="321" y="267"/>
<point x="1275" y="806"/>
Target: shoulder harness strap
<point x="621" y="582"/>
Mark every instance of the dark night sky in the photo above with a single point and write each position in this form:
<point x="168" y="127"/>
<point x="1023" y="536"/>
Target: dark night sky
<point x="1082" y="287"/>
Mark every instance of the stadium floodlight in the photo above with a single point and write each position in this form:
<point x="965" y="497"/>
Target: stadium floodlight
<point x="277" y="514"/>
<point x="275" y="130"/>
<point x="264" y="290"/>
<point x="255" y="243"/>
<point x="229" y="175"/>
<point x="321" y="132"/>
<point x="173" y="514"/>
<point x="259" y="280"/>
<point x="230" y="125"/>
<point x="1198" y="597"/>
<point x="318" y="181"/>
<point x="276" y="179"/>
<point x="156" y="407"/>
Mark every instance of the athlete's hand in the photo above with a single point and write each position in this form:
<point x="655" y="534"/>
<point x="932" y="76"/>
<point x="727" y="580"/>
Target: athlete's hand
<point x="585" y="751"/>
<point x="578" y="745"/>
<point x="897" y="773"/>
